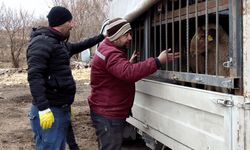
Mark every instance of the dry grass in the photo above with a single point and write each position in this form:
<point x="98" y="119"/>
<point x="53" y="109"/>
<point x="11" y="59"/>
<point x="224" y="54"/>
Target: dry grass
<point x="81" y="74"/>
<point x="21" y="78"/>
<point x="13" y="79"/>
<point x="22" y="64"/>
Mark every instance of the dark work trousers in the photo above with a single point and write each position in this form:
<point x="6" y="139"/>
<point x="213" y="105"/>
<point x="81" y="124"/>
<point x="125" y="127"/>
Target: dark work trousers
<point x="109" y="131"/>
<point x="71" y="138"/>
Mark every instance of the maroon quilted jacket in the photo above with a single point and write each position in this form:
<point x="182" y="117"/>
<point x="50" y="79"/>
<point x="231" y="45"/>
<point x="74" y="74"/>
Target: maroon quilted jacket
<point x="113" y="80"/>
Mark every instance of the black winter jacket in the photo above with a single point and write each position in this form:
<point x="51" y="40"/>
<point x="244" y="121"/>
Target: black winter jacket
<point x="49" y="74"/>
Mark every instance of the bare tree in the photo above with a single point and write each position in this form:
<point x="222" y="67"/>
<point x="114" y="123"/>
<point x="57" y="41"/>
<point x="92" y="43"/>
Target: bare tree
<point x="15" y="29"/>
<point x="15" y="25"/>
<point x="88" y="16"/>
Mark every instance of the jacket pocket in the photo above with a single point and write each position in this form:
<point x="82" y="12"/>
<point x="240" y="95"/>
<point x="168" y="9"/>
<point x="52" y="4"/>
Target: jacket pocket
<point x="52" y="82"/>
<point x="65" y="83"/>
<point x="31" y="116"/>
<point x="35" y="125"/>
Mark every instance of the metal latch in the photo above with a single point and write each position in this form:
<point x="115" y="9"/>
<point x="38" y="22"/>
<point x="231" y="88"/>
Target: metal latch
<point x="223" y="102"/>
<point x="246" y="105"/>
<point x="198" y="80"/>
<point x="176" y="78"/>
<point x="228" y="63"/>
<point x="227" y="83"/>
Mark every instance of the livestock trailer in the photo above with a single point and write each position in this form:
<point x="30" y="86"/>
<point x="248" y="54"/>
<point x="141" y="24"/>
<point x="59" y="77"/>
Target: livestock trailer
<point x="183" y="106"/>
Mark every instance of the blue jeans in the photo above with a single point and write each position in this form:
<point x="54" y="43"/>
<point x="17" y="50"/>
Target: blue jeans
<point x="53" y="138"/>
<point x="109" y="131"/>
<point x="71" y="139"/>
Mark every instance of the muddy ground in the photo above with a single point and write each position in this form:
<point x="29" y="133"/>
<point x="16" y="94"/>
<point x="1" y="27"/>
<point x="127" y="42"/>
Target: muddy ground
<point x="15" y="130"/>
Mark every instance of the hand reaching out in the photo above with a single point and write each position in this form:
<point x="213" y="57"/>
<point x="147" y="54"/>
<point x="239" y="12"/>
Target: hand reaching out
<point x="133" y="58"/>
<point x="163" y="55"/>
<point x="170" y="56"/>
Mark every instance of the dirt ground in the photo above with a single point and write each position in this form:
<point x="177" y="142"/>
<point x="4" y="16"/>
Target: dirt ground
<point x="15" y="130"/>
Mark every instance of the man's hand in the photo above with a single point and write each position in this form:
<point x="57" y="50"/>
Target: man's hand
<point x="72" y="113"/>
<point x="170" y="56"/>
<point x="133" y="58"/>
<point x="46" y="118"/>
<point x="163" y="55"/>
<point x="104" y="34"/>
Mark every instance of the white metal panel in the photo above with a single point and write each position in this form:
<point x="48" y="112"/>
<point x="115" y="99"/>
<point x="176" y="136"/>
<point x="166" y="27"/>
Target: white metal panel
<point x="139" y="9"/>
<point x="246" y="67"/>
<point x="186" y="115"/>
<point x="175" y="145"/>
<point x="238" y="124"/>
<point x="185" y="95"/>
<point x="118" y="8"/>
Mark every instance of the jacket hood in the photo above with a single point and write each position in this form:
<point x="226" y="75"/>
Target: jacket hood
<point x="42" y="30"/>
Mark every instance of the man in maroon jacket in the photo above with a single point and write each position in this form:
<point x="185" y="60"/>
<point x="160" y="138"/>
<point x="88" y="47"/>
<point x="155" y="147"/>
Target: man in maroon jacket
<point x="113" y="80"/>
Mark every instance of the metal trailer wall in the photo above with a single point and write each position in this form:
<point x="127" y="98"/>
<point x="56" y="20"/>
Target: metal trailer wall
<point x="246" y="70"/>
<point x="170" y="117"/>
<point x="151" y="35"/>
<point x="183" y="118"/>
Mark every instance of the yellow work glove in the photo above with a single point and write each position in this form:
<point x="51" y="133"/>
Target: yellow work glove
<point x="72" y="113"/>
<point x="46" y="118"/>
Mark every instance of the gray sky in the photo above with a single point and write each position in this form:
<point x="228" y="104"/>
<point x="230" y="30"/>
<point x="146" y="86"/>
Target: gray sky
<point x="39" y="7"/>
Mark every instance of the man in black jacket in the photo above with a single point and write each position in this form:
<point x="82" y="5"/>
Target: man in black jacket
<point x="51" y="82"/>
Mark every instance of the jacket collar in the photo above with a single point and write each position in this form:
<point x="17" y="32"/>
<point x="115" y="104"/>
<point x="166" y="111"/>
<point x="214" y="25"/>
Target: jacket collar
<point x="63" y="37"/>
<point x="107" y="41"/>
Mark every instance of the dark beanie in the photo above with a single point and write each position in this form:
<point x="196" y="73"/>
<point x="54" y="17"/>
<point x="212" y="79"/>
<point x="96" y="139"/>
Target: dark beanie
<point x="58" y="15"/>
<point x="116" y="28"/>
